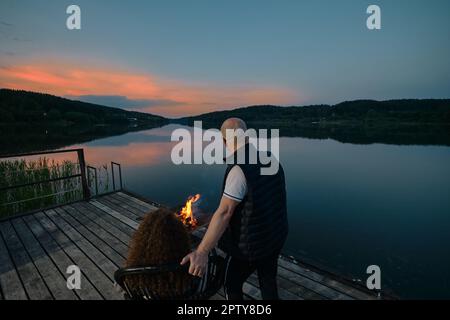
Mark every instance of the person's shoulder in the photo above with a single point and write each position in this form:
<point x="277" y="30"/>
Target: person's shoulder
<point x="236" y="184"/>
<point x="236" y="173"/>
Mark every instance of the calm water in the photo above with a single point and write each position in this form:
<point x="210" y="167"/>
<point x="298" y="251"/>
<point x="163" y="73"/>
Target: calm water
<point x="350" y="206"/>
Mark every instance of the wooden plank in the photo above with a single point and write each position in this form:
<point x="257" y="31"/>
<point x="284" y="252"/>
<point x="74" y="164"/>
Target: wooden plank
<point x="31" y="279"/>
<point x="52" y="277"/>
<point x="136" y="202"/>
<point x="217" y="297"/>
<point x="113" y="254"/>
<point x="220" y="295"/>
<point x="10" y="282"/>
<point x="325" y="280"/>
<point x="282" y="292"/>
<point x="312" y="285"/>
<point x="126" y="204"/>
<point x="251" y="291"/>
<point x="100" y="259"/>
<point x="299" y="290"/>
<point x="103" y="218"/>
<point x="140" y="213"/>
<point x="96" y="276"/>
<point x="115" y="238"/>
<point x="131" y="205"/>
<point x="120" y="209"/>
<point x="133" y="224"/>
<point x="59" y="257"/>
<point x="289" y="290"/>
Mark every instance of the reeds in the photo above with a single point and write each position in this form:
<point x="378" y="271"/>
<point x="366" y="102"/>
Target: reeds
<point x="46" y="194"/>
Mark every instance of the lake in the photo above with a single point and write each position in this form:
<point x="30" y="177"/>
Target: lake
<point x="350" y="206"/>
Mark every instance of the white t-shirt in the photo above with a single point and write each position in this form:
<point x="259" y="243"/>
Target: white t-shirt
<point x="236" y="185"/>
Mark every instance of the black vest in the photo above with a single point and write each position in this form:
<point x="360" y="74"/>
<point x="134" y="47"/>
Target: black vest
<point x="259" y="225"/>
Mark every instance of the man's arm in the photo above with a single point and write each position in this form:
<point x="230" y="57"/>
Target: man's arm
<point x="219" y="222"/>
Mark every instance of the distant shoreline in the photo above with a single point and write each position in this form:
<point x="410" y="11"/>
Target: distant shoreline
<point x="33" y="121"/>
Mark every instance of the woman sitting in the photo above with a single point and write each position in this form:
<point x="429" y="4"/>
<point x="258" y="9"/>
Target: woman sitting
<point x="161" y="239"/>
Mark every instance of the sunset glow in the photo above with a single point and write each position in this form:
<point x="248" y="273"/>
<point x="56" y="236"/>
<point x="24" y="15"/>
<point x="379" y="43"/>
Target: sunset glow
<point x="179" y="98"/>
<point x="134" y="154"/>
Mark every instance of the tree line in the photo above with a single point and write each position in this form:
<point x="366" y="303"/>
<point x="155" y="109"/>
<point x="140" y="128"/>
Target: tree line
<point x="22" y="107"/>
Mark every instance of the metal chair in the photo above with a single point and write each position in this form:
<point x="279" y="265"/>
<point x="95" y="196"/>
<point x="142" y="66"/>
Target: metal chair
<point x="199" y="288"/>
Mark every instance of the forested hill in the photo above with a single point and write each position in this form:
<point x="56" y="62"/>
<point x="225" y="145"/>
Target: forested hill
<point x="431" y="111"/>
<point x="33" y="121"/>
<point x="22" y="107"/>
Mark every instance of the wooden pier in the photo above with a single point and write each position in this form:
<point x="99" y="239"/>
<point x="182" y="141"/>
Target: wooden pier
<point x="36" y="249"/>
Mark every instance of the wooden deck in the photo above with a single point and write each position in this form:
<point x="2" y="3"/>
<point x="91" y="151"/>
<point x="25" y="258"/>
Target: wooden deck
<point x="36" y="249"/>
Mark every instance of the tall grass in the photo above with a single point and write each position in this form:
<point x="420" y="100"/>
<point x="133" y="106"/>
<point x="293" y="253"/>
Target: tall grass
<point x="37" y="196"/>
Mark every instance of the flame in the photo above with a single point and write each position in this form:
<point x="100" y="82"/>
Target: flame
<point x="186" y="215"/>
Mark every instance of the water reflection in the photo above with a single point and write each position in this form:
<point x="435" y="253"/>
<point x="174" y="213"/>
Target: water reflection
<point x="349" y="205"/>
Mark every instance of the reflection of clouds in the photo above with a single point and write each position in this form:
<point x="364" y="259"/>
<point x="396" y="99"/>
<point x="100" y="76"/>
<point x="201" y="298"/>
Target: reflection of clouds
<point x="165" y="130"/>
<point x="162" y="134"/>
<point x="133" y="154"/>
<point x="138" y="149"/>
<point x="124" y="140"/>
<point x="144" y="148"/>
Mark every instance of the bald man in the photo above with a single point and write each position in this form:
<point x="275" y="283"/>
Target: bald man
<point x="250" y="222"/>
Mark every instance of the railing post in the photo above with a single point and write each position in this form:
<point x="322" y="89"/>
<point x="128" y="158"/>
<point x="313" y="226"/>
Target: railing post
<point x="84" y="183"/>
<point x="113" y="178"/>
<point x="89" y="169"/>
<point x="120" y="176"/>
<point x="113" y="175"/>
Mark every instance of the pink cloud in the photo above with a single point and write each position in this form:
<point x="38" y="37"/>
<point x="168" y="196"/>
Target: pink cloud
<point x="68" y="80"/>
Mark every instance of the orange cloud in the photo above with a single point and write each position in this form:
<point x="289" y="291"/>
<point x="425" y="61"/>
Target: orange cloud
<point x="68" y="80"/>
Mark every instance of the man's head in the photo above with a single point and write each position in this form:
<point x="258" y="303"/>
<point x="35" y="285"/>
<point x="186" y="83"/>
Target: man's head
<point x="238" y="126"/>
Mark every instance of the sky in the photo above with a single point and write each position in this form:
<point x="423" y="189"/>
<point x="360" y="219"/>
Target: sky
<point x="177" y="58"/>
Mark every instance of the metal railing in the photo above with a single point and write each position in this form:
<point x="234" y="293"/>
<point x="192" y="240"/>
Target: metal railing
<point x="89" y="169"/>
<point x="81" y="174"/>
<point x="88" y="176"/>
<point x="113" y="175"/>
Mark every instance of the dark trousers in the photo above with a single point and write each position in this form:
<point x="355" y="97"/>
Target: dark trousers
<point x="237" y="272"/>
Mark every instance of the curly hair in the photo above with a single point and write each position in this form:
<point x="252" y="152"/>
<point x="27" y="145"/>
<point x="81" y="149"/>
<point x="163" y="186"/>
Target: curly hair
<point x="160" y="239"/>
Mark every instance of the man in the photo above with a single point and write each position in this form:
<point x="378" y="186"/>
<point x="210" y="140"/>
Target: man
<point x="251" y="220"/>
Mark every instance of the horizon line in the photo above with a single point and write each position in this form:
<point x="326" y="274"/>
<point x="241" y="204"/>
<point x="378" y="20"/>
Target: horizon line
<point x="230" y="109"/>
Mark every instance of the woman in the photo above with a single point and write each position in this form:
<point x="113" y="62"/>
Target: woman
<point x="160" y="239"/>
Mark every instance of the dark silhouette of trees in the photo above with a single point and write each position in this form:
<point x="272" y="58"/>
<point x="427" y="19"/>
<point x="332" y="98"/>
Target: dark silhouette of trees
<point x="19" y="107"/>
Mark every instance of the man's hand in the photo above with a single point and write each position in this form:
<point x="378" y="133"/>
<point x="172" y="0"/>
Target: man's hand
<point x="197" y="262"/>
<point x="219" y="222"/>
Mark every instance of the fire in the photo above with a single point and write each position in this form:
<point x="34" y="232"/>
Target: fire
<point x="186" y="215"/>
